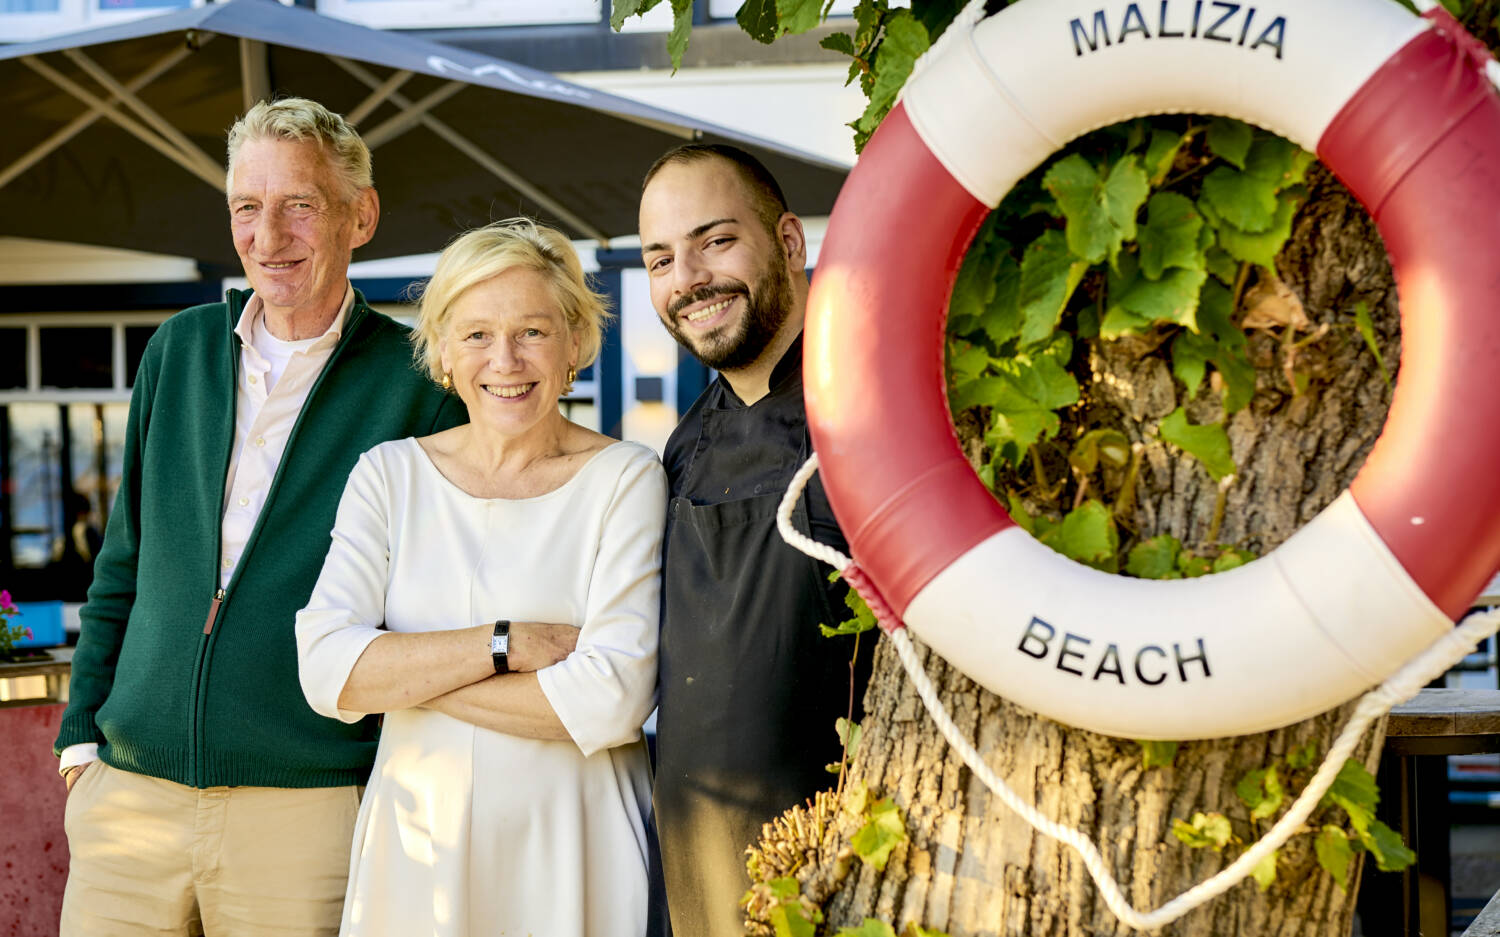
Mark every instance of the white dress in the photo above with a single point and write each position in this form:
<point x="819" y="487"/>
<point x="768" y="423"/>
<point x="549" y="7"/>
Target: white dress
<point x="463" y="830"/>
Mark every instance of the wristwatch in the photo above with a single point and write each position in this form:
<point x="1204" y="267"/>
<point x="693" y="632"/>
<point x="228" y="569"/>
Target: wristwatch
<point x="500" y="646"/>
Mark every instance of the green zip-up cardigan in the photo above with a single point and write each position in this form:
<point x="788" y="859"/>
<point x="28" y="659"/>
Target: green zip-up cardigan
<point x="172" y="677"/>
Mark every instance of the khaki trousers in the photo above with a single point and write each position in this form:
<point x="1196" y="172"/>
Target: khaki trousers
<point x="154" y="857"/>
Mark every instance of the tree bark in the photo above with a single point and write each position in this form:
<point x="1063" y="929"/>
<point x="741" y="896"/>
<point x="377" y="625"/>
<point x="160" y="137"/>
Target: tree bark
<point x="972" y="867"/>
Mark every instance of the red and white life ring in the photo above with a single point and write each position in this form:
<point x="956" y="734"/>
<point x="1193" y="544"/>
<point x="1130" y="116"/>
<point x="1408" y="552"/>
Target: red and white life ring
<point x="1399" y="108"/>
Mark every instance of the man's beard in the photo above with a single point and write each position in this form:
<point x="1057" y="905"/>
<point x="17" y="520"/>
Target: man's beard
<point x="766" y="308"/>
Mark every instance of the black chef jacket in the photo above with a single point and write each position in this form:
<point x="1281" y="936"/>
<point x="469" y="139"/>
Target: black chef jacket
<point x="750" y="688"/>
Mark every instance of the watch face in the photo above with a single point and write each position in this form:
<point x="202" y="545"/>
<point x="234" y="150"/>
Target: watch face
<point x="500" y="644"/>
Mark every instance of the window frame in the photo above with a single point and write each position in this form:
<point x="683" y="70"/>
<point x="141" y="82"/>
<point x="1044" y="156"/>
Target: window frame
<point x="439" y="14"/>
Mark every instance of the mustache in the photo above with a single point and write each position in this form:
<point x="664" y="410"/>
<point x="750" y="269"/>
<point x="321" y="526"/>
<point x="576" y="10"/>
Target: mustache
<point x="706" y="293"/>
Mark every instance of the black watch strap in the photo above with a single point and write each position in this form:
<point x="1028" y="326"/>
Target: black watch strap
<point x="500" y="646"/>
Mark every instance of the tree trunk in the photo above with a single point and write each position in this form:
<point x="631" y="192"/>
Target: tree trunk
<point x="972" y="867"/>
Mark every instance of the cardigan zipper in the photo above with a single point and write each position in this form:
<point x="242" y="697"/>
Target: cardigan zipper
<point x="213" y="611"/>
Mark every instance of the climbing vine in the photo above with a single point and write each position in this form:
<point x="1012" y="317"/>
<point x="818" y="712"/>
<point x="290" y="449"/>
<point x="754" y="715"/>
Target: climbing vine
<point x="1163" y="232"/>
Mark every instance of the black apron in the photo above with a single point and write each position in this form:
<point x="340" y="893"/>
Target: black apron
<point x="750" y="688"/>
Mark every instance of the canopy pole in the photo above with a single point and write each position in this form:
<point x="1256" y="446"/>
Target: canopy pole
<point x="377" y="97"/>
<point x="410" y="115"/>
<point x="85" y="120"/>
<point x="255" y="72"/>
<point x="214" y="177"/>
<point x="143" y="110"/>
<point x="465" y="146"/>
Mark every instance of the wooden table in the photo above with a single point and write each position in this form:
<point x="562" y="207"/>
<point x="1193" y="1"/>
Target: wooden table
<point x="55" y="671"/>
<point x="1436" y="722"/>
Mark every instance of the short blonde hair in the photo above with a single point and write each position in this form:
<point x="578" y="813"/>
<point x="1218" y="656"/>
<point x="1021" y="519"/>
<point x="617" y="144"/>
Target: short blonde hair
<point x="487" y="252"/>
<point x="304" y="121"/>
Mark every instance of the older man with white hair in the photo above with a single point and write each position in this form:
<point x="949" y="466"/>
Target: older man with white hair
<point x="204" y="795"/>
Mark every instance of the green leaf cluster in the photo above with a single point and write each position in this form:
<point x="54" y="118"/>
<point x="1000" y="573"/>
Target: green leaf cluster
<point x="883" y="831"/>
<point x="790" y="916"/>
<point x="1354" y="792"/>
<point x="862" y="620"/>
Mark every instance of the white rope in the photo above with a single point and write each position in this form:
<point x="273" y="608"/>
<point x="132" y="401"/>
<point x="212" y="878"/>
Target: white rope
<point x="1491" y="67"/>
<point x="1403" y="685"/>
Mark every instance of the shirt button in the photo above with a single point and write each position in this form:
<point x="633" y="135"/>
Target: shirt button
<point x="244" y="502"/>
<point x="228" y="562"/>
<point x="260" y="440"/>
<point x="254" y="379"/>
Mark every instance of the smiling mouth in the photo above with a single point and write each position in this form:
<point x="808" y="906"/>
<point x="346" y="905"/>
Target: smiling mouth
<point x="708" y="311"/>
<point x="511" y="391"/>
<point x="279" y="264"/>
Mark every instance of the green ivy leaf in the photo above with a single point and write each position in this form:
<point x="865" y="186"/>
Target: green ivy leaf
<point x="1334" y="854"/>
<point x="1246" y="201"/>
<point x="785" y="888"/>
<point x="621" y="10"/>
<point x="1087" y="534"/>
<point x="1161" y="152"/>
<point x="1384" y="843"/>
<point x="1154" y="558"/>
<point x="1264" y="872"/>
<point x="1277" y="160"/>
<point x="1024" y="396"/>
<point x="1100" y="212"/>
<point x="1172" y="299"/>
<point x="1192" y="566"/>
<point x="1259" y="248"/>
<point x="759" y="20"/>
<point x="905" y="41"/>
<point x="863" y="619"/>
<point x="1302" y="756"/>
<point x="1270" y="795"/>
<point x="1209" y="830"/>
<point x="849" y="733"/>
<point x="883" y="831"/>
<point x="1220" y="341"/>
<point x="838" y="42"/>
<point x="682" y="30"/>
<point x="1230" y="140"/>
<point x="1169" y="237"/>
<point x="1367" y="332"/>
<point x="1107" y="445"/>
<point x="870" y="928"/>
<point x="798" y="16"/>
<point x="788" y="920"/>
<point x="1353" y="790"/>
<point x="1155" y="754"/>
<point x="1220" y="264"/>
<point x="1208" y="443"/>
<point x="1049" y="275"/>
<point x="1230" y="559"/>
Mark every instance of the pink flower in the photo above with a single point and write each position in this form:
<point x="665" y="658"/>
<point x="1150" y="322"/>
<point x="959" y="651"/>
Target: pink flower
<point x="26" y="633"/>
<point x="4" y="598"/>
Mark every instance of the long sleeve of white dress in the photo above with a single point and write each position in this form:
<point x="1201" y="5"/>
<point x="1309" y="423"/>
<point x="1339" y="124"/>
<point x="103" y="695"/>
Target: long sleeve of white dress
<point x="347" y="608"/>
<point x="606" y="688"/>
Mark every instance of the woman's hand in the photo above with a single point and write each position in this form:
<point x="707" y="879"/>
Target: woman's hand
<point x="535" y="644"/>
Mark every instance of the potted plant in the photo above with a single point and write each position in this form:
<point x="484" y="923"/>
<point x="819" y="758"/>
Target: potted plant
<point x="11" y="635"/>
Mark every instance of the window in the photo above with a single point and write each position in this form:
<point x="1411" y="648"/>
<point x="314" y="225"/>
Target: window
<point x="64" y="399"/>
<point x="420" y="14"/>
<point x="23" y="20"/>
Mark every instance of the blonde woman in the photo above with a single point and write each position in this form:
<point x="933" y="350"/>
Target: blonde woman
<point x="510" y="787"/>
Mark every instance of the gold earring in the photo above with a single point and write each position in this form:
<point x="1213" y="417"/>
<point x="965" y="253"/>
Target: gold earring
<point x="568" y="383"/>
<point x="447" y="380"/>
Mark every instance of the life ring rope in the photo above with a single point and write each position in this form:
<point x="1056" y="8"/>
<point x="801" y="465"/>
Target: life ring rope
<point x="1401" y="686"/>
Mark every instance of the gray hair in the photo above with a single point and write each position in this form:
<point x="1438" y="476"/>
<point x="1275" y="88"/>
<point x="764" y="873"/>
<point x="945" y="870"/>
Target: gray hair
<point x="304" y="121"/>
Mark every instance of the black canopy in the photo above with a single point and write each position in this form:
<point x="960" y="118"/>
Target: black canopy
<point x="115" y="136"/>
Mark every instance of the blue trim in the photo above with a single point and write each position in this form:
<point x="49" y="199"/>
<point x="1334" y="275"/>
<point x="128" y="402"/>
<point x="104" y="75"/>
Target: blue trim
<point x="387" y="289"/>
<point x="115" y="297"/>
<point x="618" y="257"/>
<point x="611" y="401"/>
<point x="692" y="380"/>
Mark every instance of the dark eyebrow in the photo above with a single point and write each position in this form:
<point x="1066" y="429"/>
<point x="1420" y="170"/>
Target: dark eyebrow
<point x="699" y="231"/>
